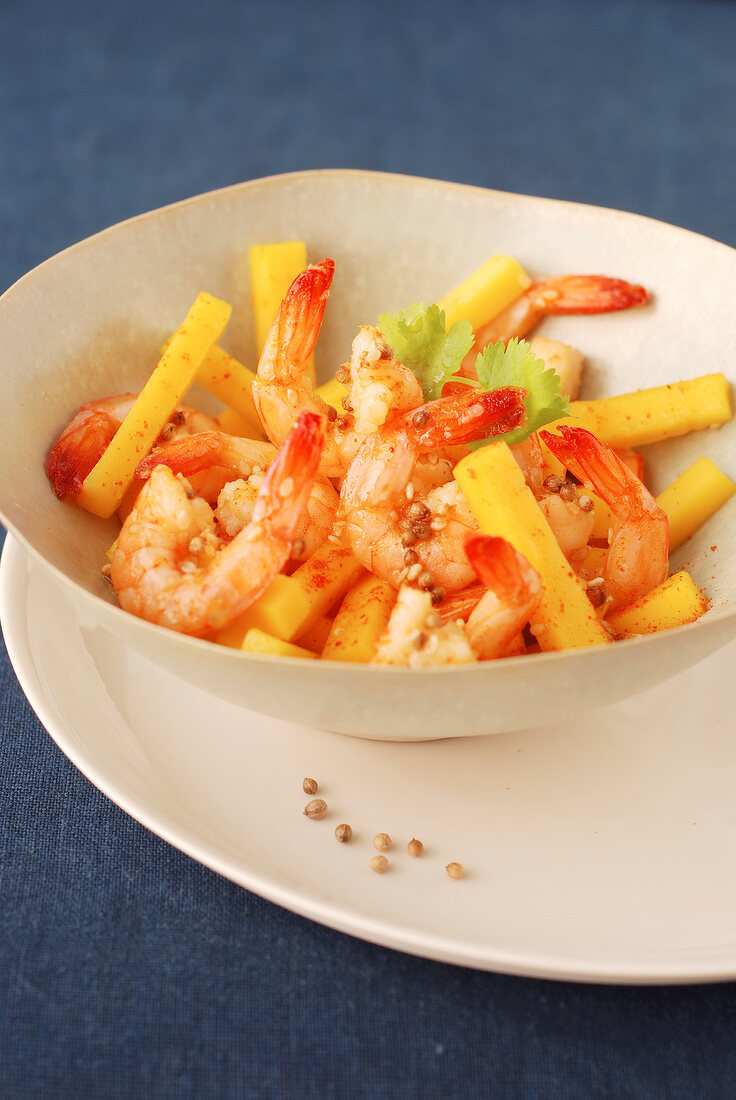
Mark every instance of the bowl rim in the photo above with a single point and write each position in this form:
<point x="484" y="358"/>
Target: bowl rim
<point x="196" y="643"/>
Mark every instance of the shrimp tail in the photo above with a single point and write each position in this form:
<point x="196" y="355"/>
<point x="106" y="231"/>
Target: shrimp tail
<point x="596" y="465"/>
<point x="187" y="455"/>
<point x="78" y="450"/>
<point x="294" y="333"/>
<point x="586" y="294"/>
<point x="503" y="569"/>
<point x="466" y="417"/>
<point x="288" y="483"/>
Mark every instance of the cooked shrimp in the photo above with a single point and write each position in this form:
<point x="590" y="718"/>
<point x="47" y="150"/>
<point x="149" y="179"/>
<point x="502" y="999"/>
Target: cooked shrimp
<point x="639" y="542"/>
<point x="88" y="434"/>
<point x="379" y="384"/>
<point x="381" y="516"/>
<point x="416" y="636"/>
<point x="513" y="592"/>
<point x="168" y="566"/>
<point x="209" y="459"/>
<point x="561" y="294"/>
<point x="233" y="469"/>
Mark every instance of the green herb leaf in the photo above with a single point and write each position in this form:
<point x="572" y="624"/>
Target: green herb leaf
<point x="515" y="364"/>
<point x="417" y="335"/>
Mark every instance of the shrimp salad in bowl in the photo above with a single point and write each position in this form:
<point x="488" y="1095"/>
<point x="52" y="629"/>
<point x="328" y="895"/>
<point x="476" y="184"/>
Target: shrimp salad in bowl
<point x="445" y="498"/>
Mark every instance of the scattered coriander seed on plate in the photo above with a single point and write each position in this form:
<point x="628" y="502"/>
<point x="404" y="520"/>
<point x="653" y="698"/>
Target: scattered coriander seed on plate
<point x="315" y="809"/>
<point x="382" y="841"/>
<point x="379" y="864"/>
<point x="415" y="847"/>
<point x="455" y="870"/>
<point x="310" y="786"/>
<point x="344" y="834"/>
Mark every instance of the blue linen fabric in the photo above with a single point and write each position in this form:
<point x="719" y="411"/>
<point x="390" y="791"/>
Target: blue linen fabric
<point x="126" y="969"/>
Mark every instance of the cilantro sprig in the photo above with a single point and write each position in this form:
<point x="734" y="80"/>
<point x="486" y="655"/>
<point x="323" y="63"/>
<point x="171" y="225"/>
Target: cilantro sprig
<point x="417" y="335"/>
<point x="419" y="340"/>
<point x="515" y="364"/>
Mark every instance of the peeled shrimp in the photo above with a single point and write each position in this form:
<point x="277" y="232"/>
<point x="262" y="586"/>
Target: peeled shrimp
<point x="513" y="591"/>
<point x="233" y="469"/>
<point x="88" y="434"/>
<point x="557" y="295"/>
<point x="639" y="542"/>
<point x="416" y="636"/>
<point x="379" y="384"/>
<point x="168" y="566"/>
<point x="391" y="530"/>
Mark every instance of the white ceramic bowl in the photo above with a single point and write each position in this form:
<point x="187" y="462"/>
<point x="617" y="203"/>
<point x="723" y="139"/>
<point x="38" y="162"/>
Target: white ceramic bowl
<point x="90" y="321"/>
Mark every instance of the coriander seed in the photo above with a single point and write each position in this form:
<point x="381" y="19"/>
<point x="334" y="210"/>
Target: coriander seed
<point x="344" y="834"/>
<point x="455" y="870"/>
<point x="379" y="864"/>
<point x="310" y="786"/>
<point x="382" y="841"/>
<point x="315" y="809"/>
<point x="415" y="847"/>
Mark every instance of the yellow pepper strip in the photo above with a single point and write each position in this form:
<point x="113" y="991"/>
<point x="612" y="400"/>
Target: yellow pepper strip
<point x="293" y="604"/>
<point x="333" y="392"/>
<point x="486" y="292"/>
<point x="273" y="268"/>
<point x="693" y="497"/>
<point x="317" y="635"/>
<point x="662" y="412"/>
<point x="256" y="641"/>
<point x="105" y="485"/>
<point x="229" y="380"/>
<point x="675" y="602"/>
<point x="234" y="423"/>
<point x="361" y="620"/>
<point x="503" y="504"/>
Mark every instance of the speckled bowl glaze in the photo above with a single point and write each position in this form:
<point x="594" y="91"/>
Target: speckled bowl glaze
<point x="90" y="322"/>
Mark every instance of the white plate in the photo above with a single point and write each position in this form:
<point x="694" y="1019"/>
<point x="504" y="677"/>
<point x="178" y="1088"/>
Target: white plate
<point x="598" y="850"/>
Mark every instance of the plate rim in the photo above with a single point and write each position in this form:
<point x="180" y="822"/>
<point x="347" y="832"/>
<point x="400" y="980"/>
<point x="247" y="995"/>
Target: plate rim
<point x="16" y="560"/>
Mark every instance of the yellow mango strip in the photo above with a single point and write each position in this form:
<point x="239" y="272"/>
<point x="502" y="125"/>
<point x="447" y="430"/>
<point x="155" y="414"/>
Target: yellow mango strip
<point x="693" y="497"/>
<point x="603" y="517"/>
<point x="292" y="605"/>
<point x="317" y="635"/>
<point x="595" y="560"/>
<point x="105" y="485"/>
<point x="333" y="392"/>
<point x="273" y="268"/>
<point x="234" y="423"/>
<point x="256" y="641"/>
<point x="361" y="620"/>
<point x="229" y="380"/>
<point x="109" y="553"/>
<point x="675" y="602"/>
<point x="503" y="504"/>
<point x="130" y="497"/>
<point x="662" y="412"/>
<point x="485" y="293"/>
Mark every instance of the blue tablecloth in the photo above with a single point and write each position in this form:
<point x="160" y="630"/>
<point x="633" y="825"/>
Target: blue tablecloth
<point x="126" y="969"/>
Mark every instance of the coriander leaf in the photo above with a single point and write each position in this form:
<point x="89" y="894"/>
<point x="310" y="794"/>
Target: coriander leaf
<point x="419" y="340"/>
<point x="516" y="365"/>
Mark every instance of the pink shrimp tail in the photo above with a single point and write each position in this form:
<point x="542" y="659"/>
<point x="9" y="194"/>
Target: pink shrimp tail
<point x="285" y="491"/>
<point x="599" y="467"/>
<point x="187" y="455"/>
<point x="503" y="569"/>
<point x="296" y="328"/>
<point x="467" y="417"/>
<point x="78" y="450"/>
<point x="586" y="294"/>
